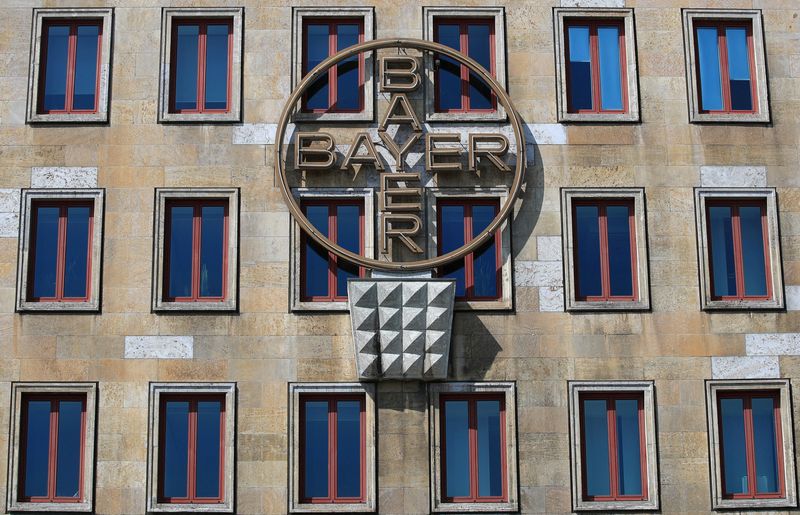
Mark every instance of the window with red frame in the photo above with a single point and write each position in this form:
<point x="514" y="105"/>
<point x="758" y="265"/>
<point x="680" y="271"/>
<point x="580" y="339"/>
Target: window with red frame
<point x="613" y="457"/>
<point x="738" y="249"/>
<point x="596" y="70"/>
<point x="725" y="66"/>
<point x="201" y="66"/>
<point x="473" y="443"/>
<point x="60" y="251"/>
<point x="69" y="66"/>
<point x="332" y="449"/>
<point x="604" y="233"/>
<point x="458" y="89"/>
<point x="341" y="89"/>
<point x="196" y="232"/>
<point x="478" y="274"/>
<point x="191" y="450"/>
<point x="751" y="444"/>
<point x="51" y="448"/>
<point x="323" y="275"/>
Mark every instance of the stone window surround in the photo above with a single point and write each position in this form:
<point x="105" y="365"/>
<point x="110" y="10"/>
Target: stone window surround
<point x="560" y="15"/>
<point x="500" y="193"/>
<point x="168" y="15"/>
<point x="783" y="386"/>
<point x="759" y="57"/>
<point x="299" y="16"/>
<point x="18" y="389"/>
<point x="773" y="239"/>
<point x="162" y="195"/>
<point x="295" y="391"/>
<point x="162" y="388"/>
<point x="647" y="389"/>
<point x="435" y="390"/>
<point x="40" y="15"/>
<point x="368" y="194"/>
<point x="429" y="14"/>
<point x="643" y="294"/>
<point x="97" y="196"/>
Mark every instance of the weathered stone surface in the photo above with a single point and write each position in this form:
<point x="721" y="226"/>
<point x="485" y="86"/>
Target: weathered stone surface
<point x="159" y="347"/>
<point x="548" y="248"/>
<point x="538" y="273"/>
<point x="745" y="367"/>
<point x="793" y="298"/>
<point x="592" y="3"/>
<point x="773" y="344"/>
<point x="63" y="177"/>
<point x="551" y="298"/>
<point x="733" y="176"/>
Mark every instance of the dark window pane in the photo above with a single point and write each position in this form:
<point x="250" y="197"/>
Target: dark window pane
<point x="209" y="436"/>
<point x="348" y="448"/>
<point x="479" y="48"/>
<point x="610" y="70"/>
<point x="619" y="250"/>
<point x="316" y="449"/>
<point x="176" y="449"/>
<point x="452" y="237"/>
<point x="587" y="251"/>
<point x="708" y="68"/>
<point x="765" y="445"/>
<point x="45" y="252"/>
<point x="448" y="81"/>
<point x="456" y="441"/>
<point x="723" y="268"/>
<point x="595" y="439"/>
<point x="180" y="251"/>
<point x="186" y="67"/>
<point x="753" y="265"/>
<point x="348" y="229"/>
<point x="217" y="66"/>
<point x="55" y="68"/>
<point x="37" y="445"/>
<point x="316" y="258"/>
<point x="490" y="466"/>
<point x="85" y="82"/>
<point x="212" y="250"/>
<point x="316" y="52"/>
<point x="348" y="92"/>
<point x="68" y="465"/>
<point x="734" y="457"/>
<point x="739" y="68"/>
<point x="77" y="251"/>
<point x="580" y="68"/>
<point x="629" y="462"/>
<point x="484" y="261"/>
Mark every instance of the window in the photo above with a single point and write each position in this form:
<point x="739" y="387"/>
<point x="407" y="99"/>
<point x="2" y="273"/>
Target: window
<point x="70" y="65"/>
<point x="60" y="250"/>
<point x="201" y="65"/>
<point x="596" y="65"/>
<point x="603" y="249"/>
<point x="332" y="449"/>
<point x="738" y="247"/>
<point x="725" y="57"/>
<point x="52" y="462"/>
<point x="196" y="249"/>
<point x="751" y="445"/>
<point x="474" y="447"/>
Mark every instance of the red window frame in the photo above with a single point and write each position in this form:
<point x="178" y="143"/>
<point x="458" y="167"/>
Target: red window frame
<point x="605" y="274"/>
<point x="191" y="464"/>
<point x="722" y="43"/>
<point x="594" y="48"/>
<point x="73" y="25"/>
<point x="333" y="259"/>
<point x="203" y="24"/>
<point x="53" y="448"/>
<point x="747" y="397"/>
<point x="62" y="249"/>
<point x="198" y="205"/>
<point x="463" y="24"/>
<point x="332" y="497"/>
<point x="472" y="399"/>
<point x="611" y="414"/>
<point x="738" y="258"/>
<point x="333" y="74"/>
<point x="469" y="269"/>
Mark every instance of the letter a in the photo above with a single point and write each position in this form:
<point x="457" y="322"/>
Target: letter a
<point x="408" y="116"/>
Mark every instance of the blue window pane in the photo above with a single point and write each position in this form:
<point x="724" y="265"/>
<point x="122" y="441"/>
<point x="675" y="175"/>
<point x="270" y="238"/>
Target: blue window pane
<point x="452" y="237"/>
<point x="595" y="440"/>
<point x="348" y="448"/>
<point x="721" y="249"/>
<point x="85" y="81"/>
<point x="212" y="250"/>
<point x="348" y="235"/>
<point x="316" y="52"/>
<point x="709" y="69"/>
<point x="186" y="67"/>
<point x="316" y="449"/>
<point x="619" y="250"/>
<point x="610" y="68"/>
<point x="765" y="445"/>
<point x="45" y="252"/>
<point x="484" y="261"/>
<point x="629" y="461"/>
<point x="180" y="251"/>
<point x="217" y="66"/>
<point x="580" y="68"/>
<point x="316" y="258"/>
<point x="208" y="449"/>
<point x="68" y="465"/>
<point x="176" y="449"/>
<point x="456" y="441"/>
<point x="448" y="81"/>
<point x="479" y="48"/>
<point x="77" y="251"/>
<point x="587" y="251"/>
<point x="734" y="458"/>
<point x="755" y="273"/>
<point x="348" y="91"/>
<point x="37" y="445"/>
<point x="55" y="68"/>
<point x="490" y="466"/>
<point x="739" y="68"/>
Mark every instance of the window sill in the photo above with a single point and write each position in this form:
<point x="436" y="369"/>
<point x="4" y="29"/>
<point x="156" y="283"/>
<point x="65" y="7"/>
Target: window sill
<point x="57" y="307"/>
<point x="231" y="117"/>
<point x="336" y="306"/>
<point x="630" y="117"/>
<point x="729" y="118"/>
<point x="482" y="507"/>
<point x="649" y="505"/>
<point x="494" y="116"/>
<point x="333" y="508"/>
<point x="578" y="306"/>
<point x="727" y="504"/>
<point x="483" y="305"/>
<point x="366" y="115"/>
<point x="54" y="507"/>
<point x="742" y="305"/>
<point x="100" y="117"/>
<point x="165" y="307"/>
<point x="193" y="508"/>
